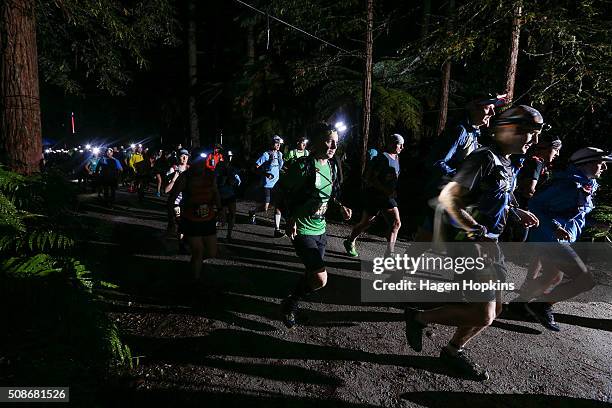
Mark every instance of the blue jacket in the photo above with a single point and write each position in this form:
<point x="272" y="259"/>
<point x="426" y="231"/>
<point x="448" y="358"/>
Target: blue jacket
<point x="566" y="200"/>
<point x="463" y="141"/>
<point x="271" y="162"/>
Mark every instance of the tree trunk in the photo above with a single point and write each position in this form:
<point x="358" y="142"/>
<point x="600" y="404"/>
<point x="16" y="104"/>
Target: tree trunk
<point x="444" y="91"/>
<point x="20" y="129"/>
<point x="513" y="51"/>
<point x="194" y="126"/>
<point x="247" y="140"/>
<point x="367" y="85"/>
<point x="425" y="18"/>
<point x="445" y="81"/>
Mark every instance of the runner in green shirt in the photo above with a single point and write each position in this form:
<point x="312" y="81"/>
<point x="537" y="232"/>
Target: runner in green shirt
<point x="311" y="184"/>
<point x="299" y="151"/>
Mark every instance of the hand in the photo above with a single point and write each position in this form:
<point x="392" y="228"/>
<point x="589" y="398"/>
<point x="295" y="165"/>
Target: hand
<point x="526" y="218"/>
<point x="291" y="229"/>
<point x="562" y="235"/>
<point x="269" y="176"/>
<point x="347" y="213"/>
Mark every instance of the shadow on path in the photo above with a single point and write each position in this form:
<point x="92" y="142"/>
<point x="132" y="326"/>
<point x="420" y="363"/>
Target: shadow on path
<point x="446" y="399"/>
<point x="240" y="343"/>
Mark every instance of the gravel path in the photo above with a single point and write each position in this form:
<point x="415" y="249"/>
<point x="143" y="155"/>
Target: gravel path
<point x="225" y="346"/>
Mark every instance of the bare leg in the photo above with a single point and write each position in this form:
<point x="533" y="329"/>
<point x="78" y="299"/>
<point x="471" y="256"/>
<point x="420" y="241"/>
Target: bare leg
<point x="159" y="183"/>
<point x="361" y="226"/>
<point x="393" y="219"/>
<point x="231" y="219"/>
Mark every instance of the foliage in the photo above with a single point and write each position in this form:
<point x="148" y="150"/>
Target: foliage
<point x="93" y="40"/>
<point x="46" y="293"/>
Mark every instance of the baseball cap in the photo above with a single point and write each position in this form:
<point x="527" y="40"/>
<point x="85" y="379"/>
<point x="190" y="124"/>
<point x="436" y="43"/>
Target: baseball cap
<point x="183" y="152"/>
<point x="523" y="116"/>
<point x="277" y="139"/>
<point x="397" y="138"/>
<point x="589" y="154"/>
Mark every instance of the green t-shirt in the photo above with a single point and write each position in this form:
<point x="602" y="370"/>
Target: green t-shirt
<point x="296" y="154"/>
<point x="310" y="216"/>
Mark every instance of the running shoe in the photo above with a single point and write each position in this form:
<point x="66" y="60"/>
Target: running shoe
<point x="414" y="329"/>
<point x="289" y="309"/>
<point x="542" y="312"/>
<point x="463" y="365"/>
<point x="350" y="248"/>
<point x="278" y="233"/>
<point x="252" y="219"/>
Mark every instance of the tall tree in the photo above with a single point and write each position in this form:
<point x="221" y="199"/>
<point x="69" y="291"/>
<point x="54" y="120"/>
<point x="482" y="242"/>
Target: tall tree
<point x="446" y="75"/>
<point x="425" y="17"/>
<point x="513" y="50"/>
<point x="20" y="129"/>
<point x="192" y="50"/>
<point x="247" y="139"/>
<point x="78" y="41"/>
<point x="367" y="83"/>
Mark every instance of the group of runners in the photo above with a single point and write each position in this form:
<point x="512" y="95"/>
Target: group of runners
<point x="478" y="194"/>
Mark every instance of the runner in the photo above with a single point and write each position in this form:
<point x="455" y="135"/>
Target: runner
<point x="159" y="170"/>
<point x="135" y="157"/>
<point x="108" y="172"/>
<point x="484" y="182"/>
<point x="380" y="195"/>
<point x="299" y="151"/>
<point x="308" y="188"/>
<point x="198" y="212"/>
<point x="464" y="138"/>
<point x="90" y="168"/>
<point x="144" y="175"/>
<point x="269" y="163"/>
<point x="536" y="169"/>
<point x="228" y="180"/>
<point x="458" y="142"/>
<point x="214" y="158"/>
<point x="174" y="210"/>
<point x="562" y="208"/>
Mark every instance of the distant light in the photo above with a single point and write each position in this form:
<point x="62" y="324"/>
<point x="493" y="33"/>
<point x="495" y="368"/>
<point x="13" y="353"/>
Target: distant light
<point x="75" y="149"/>
<point x="47" y="150"/>
<point x="203" y="155"/>
<point x="139" y="145"/>
<point x="80" y="151"/>
<point x="229" y="153"/>
<point x="88" y="146"/>
<point x="96" y="150"/>
<point x="132" y="145"/>
<point x="340" y="126"/>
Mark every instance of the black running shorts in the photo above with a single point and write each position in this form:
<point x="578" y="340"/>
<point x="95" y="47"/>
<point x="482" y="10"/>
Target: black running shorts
<point x="311" y="250"/>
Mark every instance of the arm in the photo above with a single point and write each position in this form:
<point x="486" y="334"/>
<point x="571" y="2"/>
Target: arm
<point x="262" y="159"/>
<point x="454" y="143"/>
<point x="175" y="176"/>
<point x="451" y="199"/>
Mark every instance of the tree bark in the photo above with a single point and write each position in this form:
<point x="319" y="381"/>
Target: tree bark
<point x="247" y="140"/>
<point x="194" y="126"/>
<point x="20" y="127"/>
<point x="367" y="85"/>
<point x="513" y="51"/>
<point x="445" y="80"/>
<point x="425" y="18"/>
